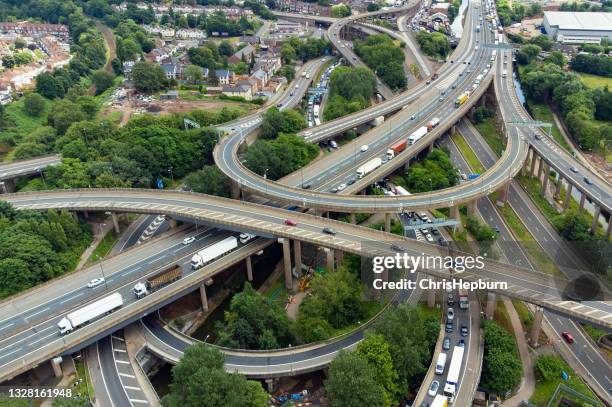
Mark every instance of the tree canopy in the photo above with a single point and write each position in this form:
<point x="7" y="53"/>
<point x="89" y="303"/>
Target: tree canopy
<point x="502" y="368"/>
<point x="380" y="53"/>
<point x="351" y="90"/>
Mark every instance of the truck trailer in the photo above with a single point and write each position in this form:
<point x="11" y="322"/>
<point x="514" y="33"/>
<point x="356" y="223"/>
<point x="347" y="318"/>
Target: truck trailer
<point x="417" y="135"/>
<point x="203" y="257"/>
<point x="464" y="302"/>
<point x="369" y="167"/>
<point x="396" y="148"/>
<point x="89" y="313"/>
<point x="439" y="401"/>
<point x="433" y="123"/>
<point x="452" y="378"/>
<point x="157" y="281"/>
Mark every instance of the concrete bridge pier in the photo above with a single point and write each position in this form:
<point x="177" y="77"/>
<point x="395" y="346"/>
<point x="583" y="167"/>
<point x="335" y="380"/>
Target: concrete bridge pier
<point x="116" y="223"/>
<point x="471" y="208"/>
<point x="595" y="222"/>
<point x="287" y="262"/>
<point x="502" y="194"/>
<point x="297" y="255"/>
<point x="353" y="218"/>
<point x="234" y="189"/>
<point x="582" y="199"/>
<point x="558" y="188"/>
<point x="172" y="223"/>
<point x="491" y="304"/>
<point x="56" y="363"/>
<point x="545" y="178"/>
<point x="271" y="384"/>
<point x="536" y="327"/>
<point x="407" y="165"/>
<point x="203" y="297"/>
<point x="330" y="258"/>
<point x="454" y="213"/>
<point x="453" y="130"/>
<point x="528" y="159"/>
<point x="534" y="159"/>
<point x="568" y="196"/>
<point x="7" y="187"/>
<point x="249" y="267"/>
<point x="388" y="222"/>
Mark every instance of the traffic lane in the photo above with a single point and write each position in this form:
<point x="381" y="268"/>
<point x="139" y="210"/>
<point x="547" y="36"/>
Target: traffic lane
<point x="29" y="331"/>
<point x="111" y="378"/>
<point x="28" y="305"/>
<point x="101" y="392"/>
<point x="46" y="332"/>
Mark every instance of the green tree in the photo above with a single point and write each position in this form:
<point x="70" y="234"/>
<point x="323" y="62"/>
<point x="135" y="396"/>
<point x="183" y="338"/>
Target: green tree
<point x="49" y="87"/>
<point x="226" y="49"/>
<point x="341" y="10"/>
<point x="63" y="114"/>
<point x="288" y="53"/>
<point x="573" y="225"/>
<point x="33" y="104"/>
<point x="375" y="350"/>
<point x="102" y="80"/>
<point x="148" y="77"/>
<point x="209" y="180"/>
<point x="502" y="368"/>
<point x="8" y="61"/>
<point x="200" y="381"/>
<point x="549" y="367"/>
<point x="194" y="74"/>
<point x="352" y="382"/>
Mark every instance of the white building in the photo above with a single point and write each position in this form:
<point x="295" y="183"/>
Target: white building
<point x="572" y="27"/>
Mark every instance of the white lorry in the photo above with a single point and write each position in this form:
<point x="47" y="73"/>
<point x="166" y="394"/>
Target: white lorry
<point x="417" y="135"/>
<point x="369" y="167"/>
<point x="452" y="378"/>
<point x="203" y="257"/>
<point x="441" y="363"/>
<point x="89" y="313"/>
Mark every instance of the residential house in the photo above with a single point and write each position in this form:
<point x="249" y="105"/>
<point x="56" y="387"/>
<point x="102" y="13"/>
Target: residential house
<point x="157" y="55"/>
<point x="245" y="54"/>
<point x="261" y="78"/>
<point x="225" y="77"/>
<point x="163" y="31"/>
<point x="251" y="83"/>
<point x="188" y="33"/>
<point x="243" y="91"/>
<point x="173" y="70"/>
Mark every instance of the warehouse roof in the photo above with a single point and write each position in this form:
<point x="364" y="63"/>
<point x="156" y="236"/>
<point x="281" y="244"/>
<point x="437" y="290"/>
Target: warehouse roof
<point x="571" y="20"/>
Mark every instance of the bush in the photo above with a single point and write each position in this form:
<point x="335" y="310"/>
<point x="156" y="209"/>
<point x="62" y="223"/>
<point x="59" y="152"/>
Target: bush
<point x="33" y="104"/>
<point x="549" y="368"/>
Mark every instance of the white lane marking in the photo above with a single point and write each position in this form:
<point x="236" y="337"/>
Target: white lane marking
<point x="122" y="362"/>
<point x="36" y="313"/>
<point x="120" y="350"/>
<point x="6" y="326"/>
<point x="43" y="338"/>
<point x="102" y="374"/>
<point x="139" y="401"/>
<point x="132" y="388"/>
<point x="127" y="375"/>
<point x="71" y="298"/>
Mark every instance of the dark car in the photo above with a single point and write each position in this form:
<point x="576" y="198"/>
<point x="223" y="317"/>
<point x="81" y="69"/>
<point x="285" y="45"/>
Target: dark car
<point x="588" y="180"/>
<point x="397" y="248"/>
<point x="574" y="169"/>
<point x="449" y="327"/>
<point x="329" y="230"/>
<point x="306" y="186"/>
<point x="446" y="343"/>
<point x="464" y="330"/>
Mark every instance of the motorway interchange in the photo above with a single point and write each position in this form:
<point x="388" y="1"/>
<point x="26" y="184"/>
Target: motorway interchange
<point x="34" y="320"/>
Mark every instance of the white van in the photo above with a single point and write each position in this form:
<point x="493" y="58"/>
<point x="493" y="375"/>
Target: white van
<point x="441" y="363"/>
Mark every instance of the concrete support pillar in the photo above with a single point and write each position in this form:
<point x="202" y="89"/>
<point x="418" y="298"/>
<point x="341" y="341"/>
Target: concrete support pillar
<point x="330" y="258"/>
<point x="536" y="326"/>
<point x="339" y="256"/>
<point x="453" y="130"/>
<point x="86" y="214"/>
<point x="454" y="213"/>
<point x="609" y="229"/>
<point x="271" y="384"/>
<point x="249" y="267"/>
<point x="568" y="196"/>
<point x="546" y="171"/>
<point x="431" y="298"/>
<point x="534" y="160"/>
<point x="558" y="188"/>
<point x="471" y="208"/>
<point x="56" y="363"/>
<point x="203" y="297"/>
<point x="172" y="223"/>
<point x="75" y="215"/>
<point x="287" y="262"/>
<point x="582" y="199"/>
<point x="7" y="187"/>
<point x="388" y="222"/>
<point x="491" y="304"/>
<point x="297" y="255"/>
<point x="527" y="162"/>
<point x="407" y="165"/>
<point x="234" y="189"/>
<point x="502" y="194"/>
<point x="116" y="223"/>
<point x="595" y="222"/>
<point x="353" y="218"/>
<point x="431" y="147"/>
<point x="363" y="192"/>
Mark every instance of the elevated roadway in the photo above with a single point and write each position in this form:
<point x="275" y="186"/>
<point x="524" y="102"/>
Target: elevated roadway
<point x="31" y="166"/>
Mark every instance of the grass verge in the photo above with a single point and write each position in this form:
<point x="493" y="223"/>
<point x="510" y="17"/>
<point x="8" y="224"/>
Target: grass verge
<point x="542" y="112"/>
<point x="104" y="247"/>
<point x="468" y="154"/>
<point x="595" y="81"/>
<point x="489" y="132"/>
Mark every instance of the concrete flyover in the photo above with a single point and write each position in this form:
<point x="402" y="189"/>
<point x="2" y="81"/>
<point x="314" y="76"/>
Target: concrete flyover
<point x="12" y="170"/>
<point x="523" y="284"/>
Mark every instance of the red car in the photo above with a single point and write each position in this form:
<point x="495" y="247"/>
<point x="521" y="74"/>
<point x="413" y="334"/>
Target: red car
<point x="290" y="222"/>
<point x="568" y="337"/>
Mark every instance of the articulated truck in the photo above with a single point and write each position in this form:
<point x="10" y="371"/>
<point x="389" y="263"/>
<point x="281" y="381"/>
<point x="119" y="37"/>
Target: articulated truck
<point x="396" y="149"/>
<point x="89" y="313"/>
<point x="433" y="123"/>
<point x="452" y="378"/>
<point x="439" y="401"/>
<point x="369" y="167"/>
<point x="417" y="135"/>
<point x="157" y="281"/>
<point x="462" y="99"/>
<point x="203" y="257"/>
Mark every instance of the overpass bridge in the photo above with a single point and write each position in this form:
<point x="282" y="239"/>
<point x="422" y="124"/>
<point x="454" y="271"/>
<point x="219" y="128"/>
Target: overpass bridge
<point x="20" y="168"/>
